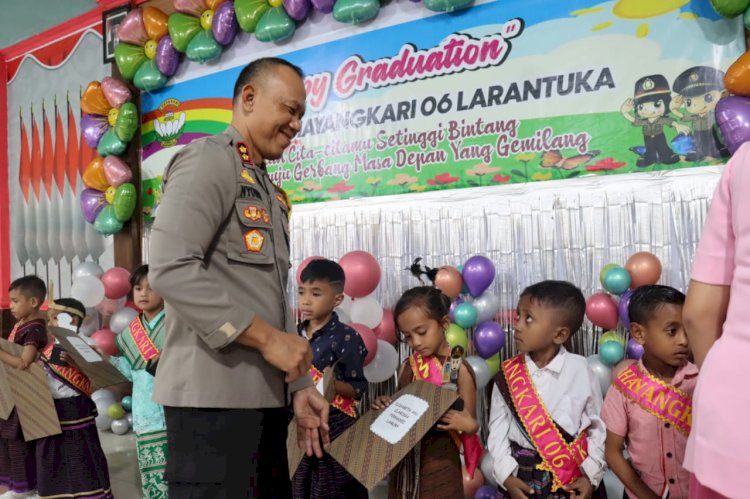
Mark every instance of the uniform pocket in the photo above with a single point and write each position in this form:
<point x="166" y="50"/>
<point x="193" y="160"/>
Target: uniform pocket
<point x="250" y="234"/>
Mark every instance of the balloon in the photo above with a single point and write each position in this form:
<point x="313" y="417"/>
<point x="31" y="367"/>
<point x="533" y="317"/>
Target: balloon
<point x="155" y="21"/>
<point x="106" y="222"/>
<point x="202" y="48"/>
<point x="111" y="144"/>
<point x="109" y="306"/>
<point x="622" y="308"/>
<point x="149" y="77"/>
<point x="729" y="8"/>
<point x="368" y="338"/>
<point x="275" y="25"/>
<point x="103" y="421"/>
<point x="602" y="310"/>
<point x="486" y="466"/>
<point x="104" y="396"/>
<point x="93" y="100"/>
<point x="362" y="273"/>
<point x="634" y="350"/>
<point x="129" y="417"/>
<point x="224" y="26"/>
<point x="355" y="11"/>
<point x="480" y="369"/>
<point x="455" y="303"/>
<point x="449" y="281"/>
<point x="93" y="176"/>
<point x="324" y="6"/>
<point x="92" y="203"/>
<point x="182" y="29"/>
<point x="478" y="274"/>
<point x="302" y="267"/>
<point x="167" y="58"/>
<point x="386" y="330"/>
<point x="471" y="485"/>
<point x="611" y="336"/>
<point x="346" y="304"/>
<point x="367" y="311"/>
<point x="494" y="364"/>
<point x="611" y="352"/>
<point x="617" y="280"/>
<point x="86" y="269"/>
<point x="90" y="325"/>
<point x="489" y="338"/>
<point x="456" y="336"/>
<point x="88" y="290"/>
<point x="644" y="269"/>
<point x="384" y="365"/>
<point x="487" y="492"/>
<point x="116" y="282"/>
<point x="249" y="13"/>
<point x="487" y="306"/>
<point x="131" y="29"/>
<point x="343" y="316"/>
<point x="128" y="59"/>
<point x="127" y="122"/>
<point x="297" y="9"/>
<point x="120" y="426"/>
<point x="93" y="127"/>
<point x="446" y="5"/>
<point x="109" y="194"/>
<point x="733" y="119"/>
<point x="115" y="411"/>
<point x="602" y="372"/>
<point x="124" y="202"/>
<point x="746" y="18"/>
<point x="116" y="171"/>
<point x="105" y="339"/>
<point x="122" y="319"/>
<point x="466" y="315"/>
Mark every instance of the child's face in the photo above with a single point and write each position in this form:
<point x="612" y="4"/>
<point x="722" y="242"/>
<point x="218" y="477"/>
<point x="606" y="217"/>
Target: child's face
<point x="663" y="336"/>
<point x="651" y="109"/>
<point x="422" y="333"/>
<point x="702" y="104"/>
<point x="537" y="327"/>
<point x="146" y="298"/>
<point x="317" y="299"/>
<point x="22" y="306"/>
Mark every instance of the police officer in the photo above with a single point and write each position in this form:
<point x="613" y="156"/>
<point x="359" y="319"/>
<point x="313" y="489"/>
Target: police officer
<point x="700" y="89"/>
<point x="220" y="257"/>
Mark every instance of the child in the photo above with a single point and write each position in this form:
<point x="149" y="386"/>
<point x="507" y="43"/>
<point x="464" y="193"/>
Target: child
<point x="140" y="345"/>
<point x="649" y="402"/>
<point x="17" y="459"/>
<point x="71" y="464"/>
<point x="335" y="346"/>
<point x="421" y="316"/>
<point x="545" y="403"/>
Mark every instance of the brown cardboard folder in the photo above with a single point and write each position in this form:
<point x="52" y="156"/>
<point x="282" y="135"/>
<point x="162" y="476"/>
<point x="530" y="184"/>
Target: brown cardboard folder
<point x="102" y="374"/>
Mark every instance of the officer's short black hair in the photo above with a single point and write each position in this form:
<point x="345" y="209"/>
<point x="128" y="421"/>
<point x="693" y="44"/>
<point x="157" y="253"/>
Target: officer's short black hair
<point x="666" y="97"/>
<point x="138" y="275"/>
<point x="646" y="300"/>
<point x="560" y="295"/>
<point x="30" y="286"/>
<point x="324" y="270"/>
<point x="259" y="68"/>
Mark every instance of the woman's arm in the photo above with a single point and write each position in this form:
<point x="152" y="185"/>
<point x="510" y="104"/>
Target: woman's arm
<point x="703" y="315"/>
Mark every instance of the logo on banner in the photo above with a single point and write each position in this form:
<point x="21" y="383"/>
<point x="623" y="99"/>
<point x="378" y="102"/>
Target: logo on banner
<point x="170" y="125"/>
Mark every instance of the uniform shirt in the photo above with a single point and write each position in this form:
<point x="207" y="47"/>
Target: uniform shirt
<point x="573" y="398"/>
<point x="701" y="123"/>
<point x="219" y="256"/>
<point x="652" y="129"/>
<point x="656" y="448"/>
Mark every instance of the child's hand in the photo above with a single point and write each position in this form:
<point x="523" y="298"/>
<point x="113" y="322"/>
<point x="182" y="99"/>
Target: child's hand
<point x="517" y="488"/>
<point x="581" y="487"/>
<point x="627" y="106"/>
<point x="458" y="421"/>
<point x="381" y="402"/>
<point x="676" y="103"/>
<point x="20" y="364"/>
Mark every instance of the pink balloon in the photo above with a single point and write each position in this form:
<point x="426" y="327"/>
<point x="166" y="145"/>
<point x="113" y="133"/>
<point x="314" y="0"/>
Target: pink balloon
<point x="116" y="171"/>
<point x="116" y="92"/>
<point x="105" y="339"/>
<point x="471" y="484"/>
<point x="303" y="265"/>
<point x="109" y="306"/>
<point x="192" y="7"/>
<point x="116" y="282"/>
<point x="601" y="310"/>
<point x="386" y="330"/>
<point x="132" y="30"/>
<point x="369" y="339"/>
<point x="362" y="273"/>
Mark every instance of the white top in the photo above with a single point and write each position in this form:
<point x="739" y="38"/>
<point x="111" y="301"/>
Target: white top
<point x="572" y="396"/>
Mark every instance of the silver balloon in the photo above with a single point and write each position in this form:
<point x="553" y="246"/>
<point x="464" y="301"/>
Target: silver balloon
<point x="120" y="426"/>
<point x="384" y="365"/>
<point x="481" y="370"/>
<point x="487" y="306"/>
<point x="129" y="417"/>
<point x="602" y="372"/>
<point x="90" y="324"/>
<point x="486" y="465"/>
<point x="103" y="395"/>
<point x="84" y="269"/>
<point x="367" y="311"/>
<point x="122" y="319"/>
<point x="103" y="421"/>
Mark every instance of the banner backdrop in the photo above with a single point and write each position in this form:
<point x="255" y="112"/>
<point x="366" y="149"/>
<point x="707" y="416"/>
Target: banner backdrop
<point x="506" y="91"/>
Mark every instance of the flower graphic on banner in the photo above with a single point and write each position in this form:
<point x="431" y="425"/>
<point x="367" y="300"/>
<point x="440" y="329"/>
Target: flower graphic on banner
<point x="501" y="179"/>
<point x="605" y="164"/>
<point x="417" y="188"/>
<point x="480" y="170"/>
<point x="443" y="179"/>
<point x="373" y="182"/>
<point x="340" y="187"/>
<point x="310" y="186"/>
<point x="541" y="176"/>
<point x="403" y="179"/>
<point x="524" y="158"/>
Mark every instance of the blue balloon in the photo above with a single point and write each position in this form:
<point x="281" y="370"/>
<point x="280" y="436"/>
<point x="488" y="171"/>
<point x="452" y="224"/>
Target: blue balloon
<point x="617" y="280"/>
<point x="127" y="403"/>
<point x="465" y="315"/>
<point x="611" y="352"/>
<point x="487" y="492"/>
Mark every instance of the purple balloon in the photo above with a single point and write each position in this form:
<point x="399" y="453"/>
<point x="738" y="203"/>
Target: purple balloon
<point x="93" y="127"/>
<point x="487" y="492"/>
<point x="634" y="350"/>
<point x="92" y="202"/>
<point x="224" y="25"/>
<point x="478" y="273"/>
<point x="458" y="301"/>
<point x="489" y="338"/>
<point x="622" y="308"/>
<point x="324" y="6"/>
<point x="297" y="9"/>
<point x="167" y="58"/>
<point x="733" y="118"/>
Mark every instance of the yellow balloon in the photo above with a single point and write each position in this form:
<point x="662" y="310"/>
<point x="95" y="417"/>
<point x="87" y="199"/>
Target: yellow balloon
<point x="109" y="194"/>
<point x="275" y="3"/>
<point x="150" y="49"/>
<point x="112" y="116"/>
<point x="206" y="19"/>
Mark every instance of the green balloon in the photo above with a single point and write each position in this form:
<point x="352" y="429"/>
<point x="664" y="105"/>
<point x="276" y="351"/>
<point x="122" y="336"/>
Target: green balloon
<point x="148" y="77"/>
<point x="111" y="145"/>
<point x="465" y="315"/>
<point x="106" y="222"/>
<point x="730" y="8"/>
<point x="127" y="122"/>
<point x="275" y="25"/>
<point x="128" y="59"/>
<point x="446" y="5"/>
<point x="124" y="202"/>
<point x="115" y="411"/>
<point x="249" y="13"/>
<point x="355" y="11"/>
<point x="203" y="47"/>
<point x="456" y="336"/>
<point x="746" y="18"/>
<point x="494" y="364"/>
<point x="182" y="29"/>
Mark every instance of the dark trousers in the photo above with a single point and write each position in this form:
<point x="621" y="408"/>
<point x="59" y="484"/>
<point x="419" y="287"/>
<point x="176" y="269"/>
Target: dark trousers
<point x="657" y="151"/>
<point x="227" y="453"/>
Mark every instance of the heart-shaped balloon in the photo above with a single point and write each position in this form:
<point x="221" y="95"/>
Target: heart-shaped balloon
<point x="446" y="5"/>
<point x="355" y="11"/>
<point x="192" y="7"/>
<point x="297" y="9"/>
<point x="155" y="21"/>
<point x="737" y="78"/>
<point x="324" y="6"/>
<point x="167" y="58"/>
<point x="115" y="91"/>
<point x="182" y="29"/>
<point x="106" y="222"/>
<point x="111" y="145"/>
<point x="131" y="29"/>
<point x="93" y="175"/>
<point x="93" y="100"/>
<point x="92" y="202"/>
<point x="249" y="13"/>
<point x="127" y="122"/>
<point x="148" y="77"/>
<point x="275" y="26"/>
<point x="129" y="58"/>
<point x="124" y="202"/>
<point x="203" y="47"/>
<point x="224" y="26"/>
<point x="733" y="118"/>
<point x="93" y="126"/>
<point x="116" y="171"/>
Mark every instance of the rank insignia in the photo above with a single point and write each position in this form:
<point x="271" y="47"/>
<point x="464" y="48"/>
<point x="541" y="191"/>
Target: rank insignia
<point x="244" y="153"/>
<point x="245" y="175"/>
<point x="281" y="198"/>
<point x="253" y="213"/>
<point x="254" y="241"/>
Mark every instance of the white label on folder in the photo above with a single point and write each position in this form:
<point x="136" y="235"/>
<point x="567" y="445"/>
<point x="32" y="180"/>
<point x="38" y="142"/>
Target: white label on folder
<point x="86" y="351"/>
<point x="320" y="386"/>
<point x="398" y="418"/>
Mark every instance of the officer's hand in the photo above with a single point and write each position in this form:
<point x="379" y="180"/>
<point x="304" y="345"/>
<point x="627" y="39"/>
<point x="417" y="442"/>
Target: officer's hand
<point x="288" y="352"/>
<point x="311" y="415"/>
<point x="627" y="106"/>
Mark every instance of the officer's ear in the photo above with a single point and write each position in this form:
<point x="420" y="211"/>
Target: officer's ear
<point x="248" y="97"/>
